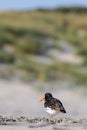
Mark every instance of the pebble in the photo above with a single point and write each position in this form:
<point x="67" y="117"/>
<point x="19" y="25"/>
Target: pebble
<point x="20" y="119"/>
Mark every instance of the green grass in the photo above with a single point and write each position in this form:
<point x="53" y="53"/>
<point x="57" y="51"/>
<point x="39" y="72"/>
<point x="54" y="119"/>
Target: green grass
<point x="26" y="32"/>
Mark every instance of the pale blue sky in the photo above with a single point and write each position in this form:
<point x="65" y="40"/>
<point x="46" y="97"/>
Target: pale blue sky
<point x="33" y="4"/>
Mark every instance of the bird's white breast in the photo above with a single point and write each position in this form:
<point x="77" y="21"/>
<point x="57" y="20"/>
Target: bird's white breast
<point x="50" y="111"/>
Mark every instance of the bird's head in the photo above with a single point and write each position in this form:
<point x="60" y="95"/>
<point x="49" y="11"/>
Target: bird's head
<point x="47" y="96"/>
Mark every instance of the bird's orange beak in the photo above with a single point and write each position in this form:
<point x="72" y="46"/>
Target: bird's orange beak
<point x="42" y="99"/>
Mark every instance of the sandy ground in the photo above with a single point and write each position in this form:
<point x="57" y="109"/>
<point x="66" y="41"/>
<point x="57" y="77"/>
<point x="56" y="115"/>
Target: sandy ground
<point x="41" y="128"/>
<point x="21" y="123"/>
<point x="41" y="123"/>
<point x="19" y="99"/>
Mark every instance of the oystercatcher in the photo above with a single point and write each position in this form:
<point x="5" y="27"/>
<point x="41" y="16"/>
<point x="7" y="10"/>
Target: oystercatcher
<point x="52" y="105"/>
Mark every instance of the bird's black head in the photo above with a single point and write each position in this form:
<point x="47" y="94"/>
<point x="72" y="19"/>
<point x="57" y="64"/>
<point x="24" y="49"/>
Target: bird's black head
<point x="48" y="96"/>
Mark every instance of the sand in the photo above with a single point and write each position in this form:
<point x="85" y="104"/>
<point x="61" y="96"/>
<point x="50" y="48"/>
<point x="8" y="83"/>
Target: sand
<point x="20" y="109"/>
<point x="21" y="123"/>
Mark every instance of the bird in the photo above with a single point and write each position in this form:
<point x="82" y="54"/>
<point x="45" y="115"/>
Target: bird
<point x="52" y="105"/>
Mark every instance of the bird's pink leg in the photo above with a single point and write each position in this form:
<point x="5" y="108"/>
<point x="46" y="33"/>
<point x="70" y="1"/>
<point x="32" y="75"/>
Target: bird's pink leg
<point x="51" y="117"/>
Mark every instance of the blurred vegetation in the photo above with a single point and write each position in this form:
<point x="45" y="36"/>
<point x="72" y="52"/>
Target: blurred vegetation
<point x="25" y="34"/>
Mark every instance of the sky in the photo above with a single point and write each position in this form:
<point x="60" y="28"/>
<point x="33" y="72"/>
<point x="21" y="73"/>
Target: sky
<point x="34" y="4"/>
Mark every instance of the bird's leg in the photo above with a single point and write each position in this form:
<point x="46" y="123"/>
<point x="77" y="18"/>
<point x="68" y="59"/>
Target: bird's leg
<point x="51" y="117"/>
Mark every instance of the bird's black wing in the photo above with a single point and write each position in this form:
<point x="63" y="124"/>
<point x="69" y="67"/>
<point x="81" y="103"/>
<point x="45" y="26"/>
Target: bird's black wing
<point x="58" y="105"/>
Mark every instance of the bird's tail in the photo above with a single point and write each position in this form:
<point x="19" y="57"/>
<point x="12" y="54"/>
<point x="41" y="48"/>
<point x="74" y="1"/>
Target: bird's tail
<point x="63" y="110"/>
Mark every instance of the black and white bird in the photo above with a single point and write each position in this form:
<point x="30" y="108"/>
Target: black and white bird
<point x="52" y="105"/>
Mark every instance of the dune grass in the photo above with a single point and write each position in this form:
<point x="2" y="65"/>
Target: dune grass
<point x="26" y="32"/>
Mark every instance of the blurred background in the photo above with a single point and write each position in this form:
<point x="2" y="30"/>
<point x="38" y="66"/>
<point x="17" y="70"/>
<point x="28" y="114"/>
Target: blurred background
<point x="43" y="48"/>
